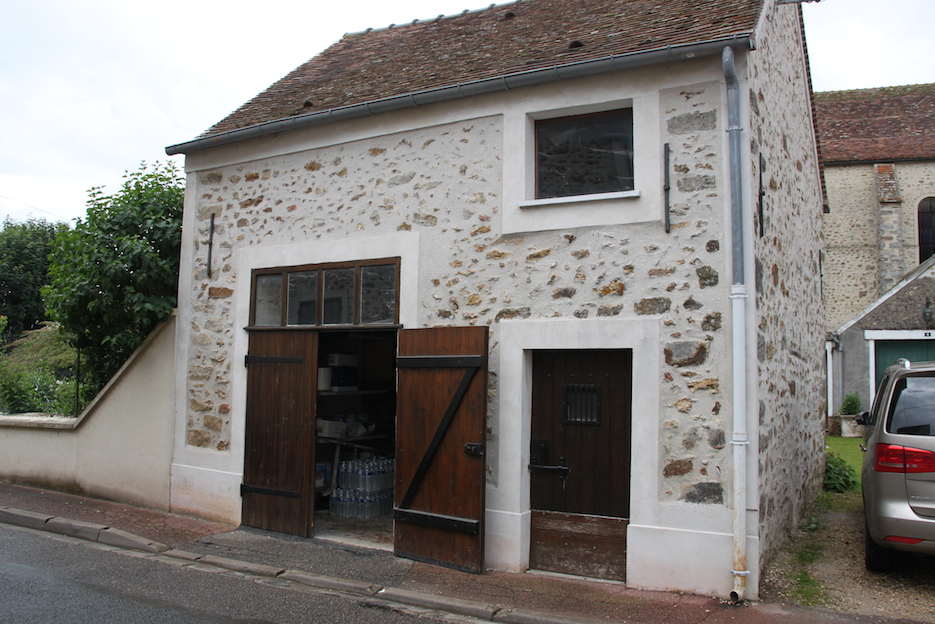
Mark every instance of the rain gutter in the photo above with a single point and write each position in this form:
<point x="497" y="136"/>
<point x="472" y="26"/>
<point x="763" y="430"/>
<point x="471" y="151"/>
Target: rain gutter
<point x="738" y="297"/>
<point x="479" y="87"/>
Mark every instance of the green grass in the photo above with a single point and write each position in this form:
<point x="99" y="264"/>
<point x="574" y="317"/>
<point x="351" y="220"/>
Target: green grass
<point x="807" y="590"/>
<point x="849" y="450"/>
<point x="809" y="548"/>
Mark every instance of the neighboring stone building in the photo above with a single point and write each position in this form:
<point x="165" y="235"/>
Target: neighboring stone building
<point x="878" y="150"/>
<point x="645" y="412"/>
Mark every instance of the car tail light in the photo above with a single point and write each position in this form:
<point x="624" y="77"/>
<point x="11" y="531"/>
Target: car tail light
<point x="895" y="458"/>
<point x="902" y="540"/>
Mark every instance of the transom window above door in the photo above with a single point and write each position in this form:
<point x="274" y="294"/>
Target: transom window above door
<point x="343" y="293"/>
<point x="584" y="154"/>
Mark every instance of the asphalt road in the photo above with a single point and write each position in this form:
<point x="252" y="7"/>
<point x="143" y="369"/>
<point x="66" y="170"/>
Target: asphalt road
<point x="46" y="579"/>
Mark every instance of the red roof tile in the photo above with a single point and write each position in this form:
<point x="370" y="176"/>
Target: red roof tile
<point x="877" y="125"/>
<point x="497" y="41"/>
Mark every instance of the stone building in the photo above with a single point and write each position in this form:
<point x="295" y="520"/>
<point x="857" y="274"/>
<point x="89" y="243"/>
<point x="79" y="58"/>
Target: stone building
<point x="560" y="260"/>
<point x="878" y="150"/>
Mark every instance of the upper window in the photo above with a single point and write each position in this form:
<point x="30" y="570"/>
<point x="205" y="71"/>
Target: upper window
<point x="926" y="229"/>
<point x="585" y="154"/>
<point x="346" y="293"/>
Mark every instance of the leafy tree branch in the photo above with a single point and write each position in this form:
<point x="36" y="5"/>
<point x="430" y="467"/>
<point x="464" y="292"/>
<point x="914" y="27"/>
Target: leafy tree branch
<point x="114" y="277"/>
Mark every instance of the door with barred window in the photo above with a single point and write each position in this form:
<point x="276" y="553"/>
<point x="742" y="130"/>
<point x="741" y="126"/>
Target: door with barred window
<point x="580" y="461"/>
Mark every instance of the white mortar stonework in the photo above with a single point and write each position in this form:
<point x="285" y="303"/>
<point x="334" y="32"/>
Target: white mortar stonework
<point x="857" y="271"/>
<point x="789" y="409"/>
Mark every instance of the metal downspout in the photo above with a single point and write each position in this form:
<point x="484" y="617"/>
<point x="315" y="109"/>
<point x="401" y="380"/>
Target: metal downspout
<point x="738" y="296"/>
<point x="829" y="367"/>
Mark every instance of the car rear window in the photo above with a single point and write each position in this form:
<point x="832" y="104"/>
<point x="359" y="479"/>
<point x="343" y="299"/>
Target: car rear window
<point x="912" y="410"/>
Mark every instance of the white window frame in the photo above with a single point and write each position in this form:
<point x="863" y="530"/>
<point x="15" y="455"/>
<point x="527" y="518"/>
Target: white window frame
<point x="524" y="213"/>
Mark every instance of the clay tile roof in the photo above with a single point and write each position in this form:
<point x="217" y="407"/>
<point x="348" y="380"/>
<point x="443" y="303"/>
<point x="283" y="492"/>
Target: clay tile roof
<point x="877" y="125"/>
<point x="489" y="43"/>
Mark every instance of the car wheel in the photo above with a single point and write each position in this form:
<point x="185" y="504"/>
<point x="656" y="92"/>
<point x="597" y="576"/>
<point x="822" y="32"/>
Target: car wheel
<point x="876" y="557"/>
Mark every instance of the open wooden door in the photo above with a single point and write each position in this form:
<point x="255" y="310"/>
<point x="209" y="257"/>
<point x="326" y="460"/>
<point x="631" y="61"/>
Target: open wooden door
<point x="278" y="487"/>
<point x="440" y="440"/>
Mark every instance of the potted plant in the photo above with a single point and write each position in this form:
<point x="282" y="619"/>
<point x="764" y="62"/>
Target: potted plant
<point x="850" y="408"/>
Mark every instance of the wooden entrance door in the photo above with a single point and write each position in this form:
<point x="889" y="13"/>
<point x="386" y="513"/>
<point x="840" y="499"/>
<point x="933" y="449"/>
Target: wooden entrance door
<point x="440" y="433"/>
<point x="279" y="483"/>
<point x="580" y="461"/>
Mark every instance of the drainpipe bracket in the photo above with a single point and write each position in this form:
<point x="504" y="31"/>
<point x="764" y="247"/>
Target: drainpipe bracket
<point x="740" y="572"/>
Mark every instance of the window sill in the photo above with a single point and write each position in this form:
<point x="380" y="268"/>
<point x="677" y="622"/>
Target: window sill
<point x="578" y="199"/>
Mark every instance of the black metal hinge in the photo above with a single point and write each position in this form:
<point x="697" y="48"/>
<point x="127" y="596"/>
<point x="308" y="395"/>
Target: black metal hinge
<point x="270" y="359"/>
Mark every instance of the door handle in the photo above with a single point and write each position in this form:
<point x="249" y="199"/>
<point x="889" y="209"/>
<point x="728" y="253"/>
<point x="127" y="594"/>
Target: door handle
<point x="562" y="469"/>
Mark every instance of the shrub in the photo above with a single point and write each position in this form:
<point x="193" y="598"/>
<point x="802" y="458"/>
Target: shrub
<point x="24" y="390"/>
<point x="851" y="404"/>
<point x="17" y="393"/>
<point x="839" y="475"/>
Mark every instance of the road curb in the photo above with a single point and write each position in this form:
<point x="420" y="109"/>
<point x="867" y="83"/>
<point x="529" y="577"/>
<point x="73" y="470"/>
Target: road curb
<point x="100" y="533"/>
<point x="439" y="603"/>
<point x="329" y="582"/>
<point x="28" y="519"/>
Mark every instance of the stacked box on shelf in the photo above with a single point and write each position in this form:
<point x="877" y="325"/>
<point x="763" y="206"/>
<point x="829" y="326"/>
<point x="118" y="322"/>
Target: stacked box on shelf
<point x="343" y="371"/>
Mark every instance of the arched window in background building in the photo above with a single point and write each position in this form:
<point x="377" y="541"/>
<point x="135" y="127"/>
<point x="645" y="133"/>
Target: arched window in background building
<point x="926" y="228"/>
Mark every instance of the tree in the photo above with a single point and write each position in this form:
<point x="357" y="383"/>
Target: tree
<point x="24" y="263"/>
<point x="115" y="276"/>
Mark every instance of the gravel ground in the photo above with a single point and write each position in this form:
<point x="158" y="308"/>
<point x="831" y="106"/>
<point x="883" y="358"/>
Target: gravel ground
<point x="829" y="550"/>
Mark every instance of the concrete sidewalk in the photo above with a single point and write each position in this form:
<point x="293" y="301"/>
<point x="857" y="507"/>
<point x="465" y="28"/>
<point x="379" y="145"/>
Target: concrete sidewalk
<point x="375" y="575"/>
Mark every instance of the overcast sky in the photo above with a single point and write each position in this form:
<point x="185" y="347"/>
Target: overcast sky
<point x="90" y="89"/>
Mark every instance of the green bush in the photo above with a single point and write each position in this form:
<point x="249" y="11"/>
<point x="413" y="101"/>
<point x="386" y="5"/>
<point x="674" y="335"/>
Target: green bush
<point x="23" y="391"/>
<point x="839" y="475"/>
<point x="16" y="394"/>
<point x="64" y="400"/>
<point x="851" y="404"/>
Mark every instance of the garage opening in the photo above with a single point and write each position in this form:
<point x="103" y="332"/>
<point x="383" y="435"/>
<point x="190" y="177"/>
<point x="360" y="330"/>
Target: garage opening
<point x="320" y="431"/>
<point x="356" y="437"/>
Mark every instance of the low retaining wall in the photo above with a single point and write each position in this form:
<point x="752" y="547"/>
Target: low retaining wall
<point x="119" y="448"/>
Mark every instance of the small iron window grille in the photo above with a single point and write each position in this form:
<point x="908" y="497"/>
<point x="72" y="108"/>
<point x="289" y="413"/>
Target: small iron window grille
<point x="582" y="404"/>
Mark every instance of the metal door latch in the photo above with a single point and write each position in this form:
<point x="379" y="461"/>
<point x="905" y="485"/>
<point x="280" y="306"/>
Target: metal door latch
<point x="563" y="470"/>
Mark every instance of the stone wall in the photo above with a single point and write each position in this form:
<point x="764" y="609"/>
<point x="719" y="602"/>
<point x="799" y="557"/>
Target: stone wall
<point x="871" y="240"/>
<point x="790" y="311"/>
<point x="688" y="272"/>
<point x="445" y="182"/>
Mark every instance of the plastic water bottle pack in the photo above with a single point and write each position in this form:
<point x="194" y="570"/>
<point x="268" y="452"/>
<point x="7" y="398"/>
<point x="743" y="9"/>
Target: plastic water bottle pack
<point x="365" y="488"/>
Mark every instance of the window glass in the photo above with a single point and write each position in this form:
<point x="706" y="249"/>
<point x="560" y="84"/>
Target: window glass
<point x="268" y="306"/>
<point x="378" y="294"/>
<point x="338" y="296"/>
<point x="912" y="410"/>
<point x="303" y="298"/>
<point x="585" y="154"/>
<point x="926" y="229"/>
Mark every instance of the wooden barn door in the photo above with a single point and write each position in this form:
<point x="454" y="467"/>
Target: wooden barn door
<point x="278" y="481"/>
<point x="580" y="462"/>
<point x="440" y="434"/>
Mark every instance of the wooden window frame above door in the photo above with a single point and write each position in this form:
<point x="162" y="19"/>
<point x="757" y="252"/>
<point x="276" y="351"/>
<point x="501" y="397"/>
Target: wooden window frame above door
<point x="319" y="324"/>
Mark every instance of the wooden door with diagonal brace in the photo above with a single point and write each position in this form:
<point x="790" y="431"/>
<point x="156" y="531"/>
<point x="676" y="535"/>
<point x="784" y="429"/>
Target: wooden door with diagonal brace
<point x="278" y="487"/>
<point x="440" y="435"/>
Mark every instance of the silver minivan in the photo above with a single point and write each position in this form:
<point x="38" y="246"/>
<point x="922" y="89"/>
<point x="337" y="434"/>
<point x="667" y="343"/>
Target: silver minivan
<point x="899" y="466"/>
